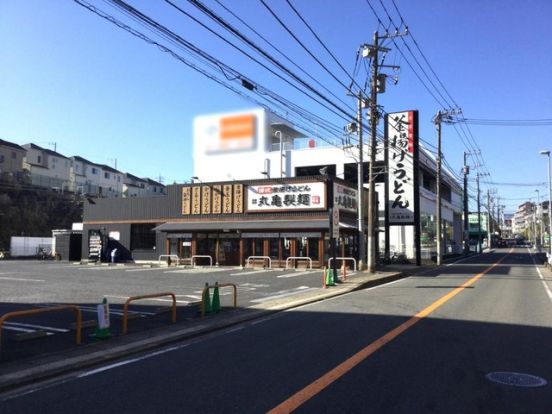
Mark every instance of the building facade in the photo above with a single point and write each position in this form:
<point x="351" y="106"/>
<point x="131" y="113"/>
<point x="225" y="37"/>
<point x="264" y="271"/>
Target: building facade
<point x="275" y="149"/>
<point x="11" y="161"/>
<point x="229" y="222"/>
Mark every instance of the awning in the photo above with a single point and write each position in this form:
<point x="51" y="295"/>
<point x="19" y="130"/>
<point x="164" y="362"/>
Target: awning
<point x="243" y="225"/>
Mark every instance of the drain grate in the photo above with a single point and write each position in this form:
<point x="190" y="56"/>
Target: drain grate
<point x="516" y="379"/>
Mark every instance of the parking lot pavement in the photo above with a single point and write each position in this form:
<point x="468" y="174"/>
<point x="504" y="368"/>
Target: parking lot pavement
<point x="44" y="345"/>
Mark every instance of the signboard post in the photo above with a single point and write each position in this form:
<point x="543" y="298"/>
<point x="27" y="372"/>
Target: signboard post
<point x="401" y="187"/>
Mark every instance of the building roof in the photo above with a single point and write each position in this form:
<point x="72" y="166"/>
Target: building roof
<point x="108" y="168"/>
<point x="244" y="225"/>
<point x="133" y="177"/>
<point x="152" y="182"/>
<point x="11" y="145"/>
<point x="84" y="160"/>
<point x="47" y="151"/>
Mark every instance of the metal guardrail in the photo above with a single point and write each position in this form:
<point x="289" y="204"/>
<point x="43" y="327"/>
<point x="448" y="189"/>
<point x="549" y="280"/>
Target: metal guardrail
<point x="153" y="295"/>
<point x="344" y="259"/>
<point x="207" y="287"/>
<point x="169" y="256"/>
<point x="195" y="256"/>
<point x="260" y="257"/>
<point x="31" y="312"/>
<point x="299" y="258"/>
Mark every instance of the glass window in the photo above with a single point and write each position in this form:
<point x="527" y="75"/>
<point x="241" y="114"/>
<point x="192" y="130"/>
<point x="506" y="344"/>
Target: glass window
<point x="142" y="236"/>
<point x="106" y="175"/>
<point x="274" y="248"/>
<point x="1" y="158"/>
<point x="258" y="246"/>
<point x="14" y="155"/>
<point x="286" y="248"/>
<point x="39" y="159"/>
<point x="313" y="248"/>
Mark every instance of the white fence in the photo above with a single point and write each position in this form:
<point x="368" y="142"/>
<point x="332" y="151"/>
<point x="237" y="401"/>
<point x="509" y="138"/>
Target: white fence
<point x="30" y="246"/>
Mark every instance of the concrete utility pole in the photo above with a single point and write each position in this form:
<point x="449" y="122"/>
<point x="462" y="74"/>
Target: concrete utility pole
<point x="466" y="212"/>
<point x="478" y="215"/>
<point x="360" y="184"/>
<point x="371" y="250"/>
<point x="539" y="218"/>
<point x="547" y="153"/>
<point x="439" y="118"/>
<point x="489" y="218"/>
<point x="372" y="51"/>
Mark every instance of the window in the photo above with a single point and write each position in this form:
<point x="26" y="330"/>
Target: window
<point x="142" y="236"/>
<point x="39" y="159"/>
<point x="14" y="155"/>
<point x="94" y="170"/>
<point x="313" y="170"/>
<point x="119" y="178"/>
<point x="1" y="158"/>
<point x="106" y="175"/>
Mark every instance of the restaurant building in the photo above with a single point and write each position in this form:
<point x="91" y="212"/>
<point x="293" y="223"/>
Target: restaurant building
<point x="228" y="222"/>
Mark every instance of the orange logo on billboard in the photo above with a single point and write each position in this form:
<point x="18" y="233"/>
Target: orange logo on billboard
<point x="237" y="127"/>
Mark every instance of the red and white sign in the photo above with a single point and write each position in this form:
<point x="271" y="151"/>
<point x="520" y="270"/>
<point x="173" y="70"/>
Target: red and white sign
<point x="286" y="197"/>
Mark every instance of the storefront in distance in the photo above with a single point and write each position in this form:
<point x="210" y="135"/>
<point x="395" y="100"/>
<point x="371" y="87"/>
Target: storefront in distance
<point x="226" y="221"/>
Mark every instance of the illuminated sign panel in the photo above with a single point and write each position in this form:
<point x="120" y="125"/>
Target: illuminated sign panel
<point x="286" y="197"/>
<point x="400" y="155"/>
<point x="227" y="132"/>
<point x="345" y="198"/>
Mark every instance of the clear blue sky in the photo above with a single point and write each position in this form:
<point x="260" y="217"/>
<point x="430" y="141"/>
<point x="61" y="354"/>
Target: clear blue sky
<point x="67" y="76"/>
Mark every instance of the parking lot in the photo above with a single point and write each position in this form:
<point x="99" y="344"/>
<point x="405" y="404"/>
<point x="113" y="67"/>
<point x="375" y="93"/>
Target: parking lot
<point x="46" y="284"/>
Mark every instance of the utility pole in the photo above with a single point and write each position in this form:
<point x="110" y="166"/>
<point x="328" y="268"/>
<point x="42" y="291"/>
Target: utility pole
<point x="371" y="251"/>
<point x="372" y="51"/>
<point x="478" y="215"/>
<point x="439" y="118"/>
<point x="489" y="218"/>
<point x="360" y="184"/>
<point x="466" y="212"/>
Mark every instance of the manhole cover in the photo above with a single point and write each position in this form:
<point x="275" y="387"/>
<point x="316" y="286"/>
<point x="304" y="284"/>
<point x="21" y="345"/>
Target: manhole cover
<point x="516" y="379"/>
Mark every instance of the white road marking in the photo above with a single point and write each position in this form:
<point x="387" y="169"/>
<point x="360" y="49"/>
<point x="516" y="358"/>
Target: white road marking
<point x="295" y="274"/>
<point x="285" y="293"/>
<point x="543" y="280"/>
<point x="246" y="272"/>
<point x="21" y="279"/>
<point x="142" y="269"/>
<point x="130" y="361"/>
<point x="28" y="325"/>
<point x="26" y="330"/>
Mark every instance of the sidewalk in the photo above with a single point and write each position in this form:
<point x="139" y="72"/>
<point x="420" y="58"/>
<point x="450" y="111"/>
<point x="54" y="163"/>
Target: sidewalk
<point x="18" y="373"/>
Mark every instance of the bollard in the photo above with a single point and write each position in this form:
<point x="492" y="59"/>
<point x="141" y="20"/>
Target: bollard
<point x="216" y="299"/>
<point x="207" y="300"/>
<point x="102" y="330"/>
<point x="330" y="277"/>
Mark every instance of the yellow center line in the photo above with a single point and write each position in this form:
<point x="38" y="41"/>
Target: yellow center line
<point x="305" y="394"/>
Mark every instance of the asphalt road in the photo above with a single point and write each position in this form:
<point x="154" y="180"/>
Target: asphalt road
<point x="36" y="284"/>
<point x="419" y="345"/>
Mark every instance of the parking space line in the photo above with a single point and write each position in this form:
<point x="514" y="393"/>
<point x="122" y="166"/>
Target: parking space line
<point x="35" y="327"/>
<point x="295" y="274"/>
<point x="18" y="279"/>
<point x="284" y="293"/>
<point x="245" y="272"/>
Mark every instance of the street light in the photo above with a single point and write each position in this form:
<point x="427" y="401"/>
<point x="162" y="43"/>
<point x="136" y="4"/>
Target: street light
<point x="547" y="153"/>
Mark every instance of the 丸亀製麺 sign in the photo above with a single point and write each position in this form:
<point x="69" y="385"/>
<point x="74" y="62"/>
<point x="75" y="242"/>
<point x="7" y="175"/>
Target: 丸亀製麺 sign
<point x="345" y="198"/>
<point x="285" y="197"/>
